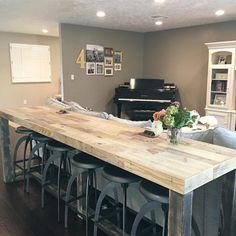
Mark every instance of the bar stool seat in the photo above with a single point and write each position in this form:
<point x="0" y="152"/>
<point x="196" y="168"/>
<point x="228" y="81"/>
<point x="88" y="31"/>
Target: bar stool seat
<point x="154" y="192"/>
<point x="117" y="177"/>
<point x="40" y="138"/>
<point x="82" y="163"/>
<point x="86" y="161"/>
<point x="54" y="145"/>
<point x="23" y="130"/>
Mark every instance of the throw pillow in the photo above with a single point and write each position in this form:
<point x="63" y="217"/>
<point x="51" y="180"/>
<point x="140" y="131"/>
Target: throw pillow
<point x="224" y="137"/>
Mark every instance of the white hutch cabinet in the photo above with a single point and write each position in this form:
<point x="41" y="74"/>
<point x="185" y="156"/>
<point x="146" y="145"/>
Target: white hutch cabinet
<point x="221" y="82"/>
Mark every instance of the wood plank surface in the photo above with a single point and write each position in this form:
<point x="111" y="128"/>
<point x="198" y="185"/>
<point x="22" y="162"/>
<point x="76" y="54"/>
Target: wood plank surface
<point x="181" y="168"/>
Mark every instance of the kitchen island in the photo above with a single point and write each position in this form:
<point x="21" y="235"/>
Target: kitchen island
<point x="181" y="168"/>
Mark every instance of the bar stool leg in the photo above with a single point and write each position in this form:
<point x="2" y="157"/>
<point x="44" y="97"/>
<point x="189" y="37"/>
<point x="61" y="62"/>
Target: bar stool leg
<point x="44" y="177"/>
<point x="153" y="217"/>
<point x="27" y="141"/>
<point x="165" y="220"/>
<point x="124" y="186"/>
<point x="19" y="142"/>
<point x="68" y="190"/>
<point x="95" y="185"/>
<point x="149" y="206"/>
<point x="89" y="175"/>
<point x="118" y="215"/>
<point x="35" y="148"/>
<point x="59" y="187"/>
<point x="99" y="204"/>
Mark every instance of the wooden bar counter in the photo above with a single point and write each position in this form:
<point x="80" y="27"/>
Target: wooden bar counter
<point x="180" y="168"/>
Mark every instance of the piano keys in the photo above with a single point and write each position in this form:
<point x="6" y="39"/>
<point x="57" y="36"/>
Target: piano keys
<point x="142" y="97"/>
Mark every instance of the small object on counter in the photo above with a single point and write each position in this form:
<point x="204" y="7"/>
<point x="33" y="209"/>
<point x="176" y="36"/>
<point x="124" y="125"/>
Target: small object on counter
<point x="149" y="133"/>
<point x="62" y="111"/>
<point x="155" y="130"/>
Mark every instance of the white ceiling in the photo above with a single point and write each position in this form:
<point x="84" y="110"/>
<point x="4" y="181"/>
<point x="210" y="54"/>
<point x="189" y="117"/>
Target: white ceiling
<point x="30" y="16"/>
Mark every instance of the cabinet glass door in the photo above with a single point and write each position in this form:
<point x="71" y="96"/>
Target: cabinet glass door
<point x="219" y="85"/>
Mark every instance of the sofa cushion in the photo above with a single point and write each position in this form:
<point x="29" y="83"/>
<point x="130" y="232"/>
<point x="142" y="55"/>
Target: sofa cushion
<point x="141" y="124"/>
<point x="102" y="115"/>
<point x="202" y="135"/>
<point x="224" y="137"/>
<point x="75" y="106"/>
<point x="57" y="104"/>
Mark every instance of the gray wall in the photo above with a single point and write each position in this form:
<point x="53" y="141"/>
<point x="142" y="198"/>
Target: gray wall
<point x="180" y="56"/>
<point x="35" y="93"/>
<point x="97" y="92"/>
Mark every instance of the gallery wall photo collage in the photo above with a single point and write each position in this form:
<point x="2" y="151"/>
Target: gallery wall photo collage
<point x="102" y="60"/>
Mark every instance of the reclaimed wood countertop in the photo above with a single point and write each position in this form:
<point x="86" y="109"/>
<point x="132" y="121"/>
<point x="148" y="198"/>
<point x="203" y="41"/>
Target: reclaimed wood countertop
<point x="181" y="168"/>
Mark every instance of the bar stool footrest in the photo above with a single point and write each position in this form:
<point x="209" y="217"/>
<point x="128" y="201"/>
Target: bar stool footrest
<point x="109" y="228"/>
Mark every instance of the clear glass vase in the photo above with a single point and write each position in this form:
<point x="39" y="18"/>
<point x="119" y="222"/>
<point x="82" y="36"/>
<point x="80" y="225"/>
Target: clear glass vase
<point x="174" y="135"/>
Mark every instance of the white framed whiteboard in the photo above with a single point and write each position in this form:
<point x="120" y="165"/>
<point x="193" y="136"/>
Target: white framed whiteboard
<point x="30" y="63"/>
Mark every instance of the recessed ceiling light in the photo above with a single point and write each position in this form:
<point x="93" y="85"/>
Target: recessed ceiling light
<point x="159" y="22"/>
<point x="45" y="31"/>
<point x="159" y="1"/>
<point x="220" y="12"/>
<point x="101" y="13"/>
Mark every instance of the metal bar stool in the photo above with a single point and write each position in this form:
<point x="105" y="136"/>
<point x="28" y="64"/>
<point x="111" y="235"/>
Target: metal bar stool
<point x="117" y="177"/>
<point x="26" y="140"/>
<point x="82" y="163"/>
<point x="156" y="195"/>
<point x="59" y="152"/>
<point x="40" y="144"/>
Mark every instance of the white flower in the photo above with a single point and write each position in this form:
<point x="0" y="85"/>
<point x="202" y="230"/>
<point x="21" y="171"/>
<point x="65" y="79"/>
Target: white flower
<point x="157" y="127"/>
<point x="195" y="113"/>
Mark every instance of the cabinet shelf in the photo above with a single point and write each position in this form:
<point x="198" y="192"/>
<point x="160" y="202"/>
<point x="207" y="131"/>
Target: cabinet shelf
<point x="219" y="92"/>
<point x="219" y="79"/>
<point x="220" y="66"/>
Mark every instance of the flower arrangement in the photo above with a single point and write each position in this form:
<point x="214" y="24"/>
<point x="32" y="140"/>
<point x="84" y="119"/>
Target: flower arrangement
<point x="175" y="116"/>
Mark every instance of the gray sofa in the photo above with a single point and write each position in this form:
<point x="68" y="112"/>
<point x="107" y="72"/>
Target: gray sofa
<point x="218" y="136"/>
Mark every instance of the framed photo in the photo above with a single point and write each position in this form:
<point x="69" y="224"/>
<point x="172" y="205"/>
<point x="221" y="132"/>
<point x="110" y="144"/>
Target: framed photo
<point x="117" y="57"/>
<point x="90" y="68"/>
<point x="94" y="53"/>
<point x="108" y="61"/>
<point x="220" y="99"/>
<point x="222" y="60"/>
<point x="117" y="67"/>
<point x="108" y="52"/>
<point x="100" y="68"/>
<point x="108" y="71"/>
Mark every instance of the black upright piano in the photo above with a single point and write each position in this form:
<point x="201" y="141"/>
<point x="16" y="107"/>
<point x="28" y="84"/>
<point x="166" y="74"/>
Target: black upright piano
<point x="142" y="97"/>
